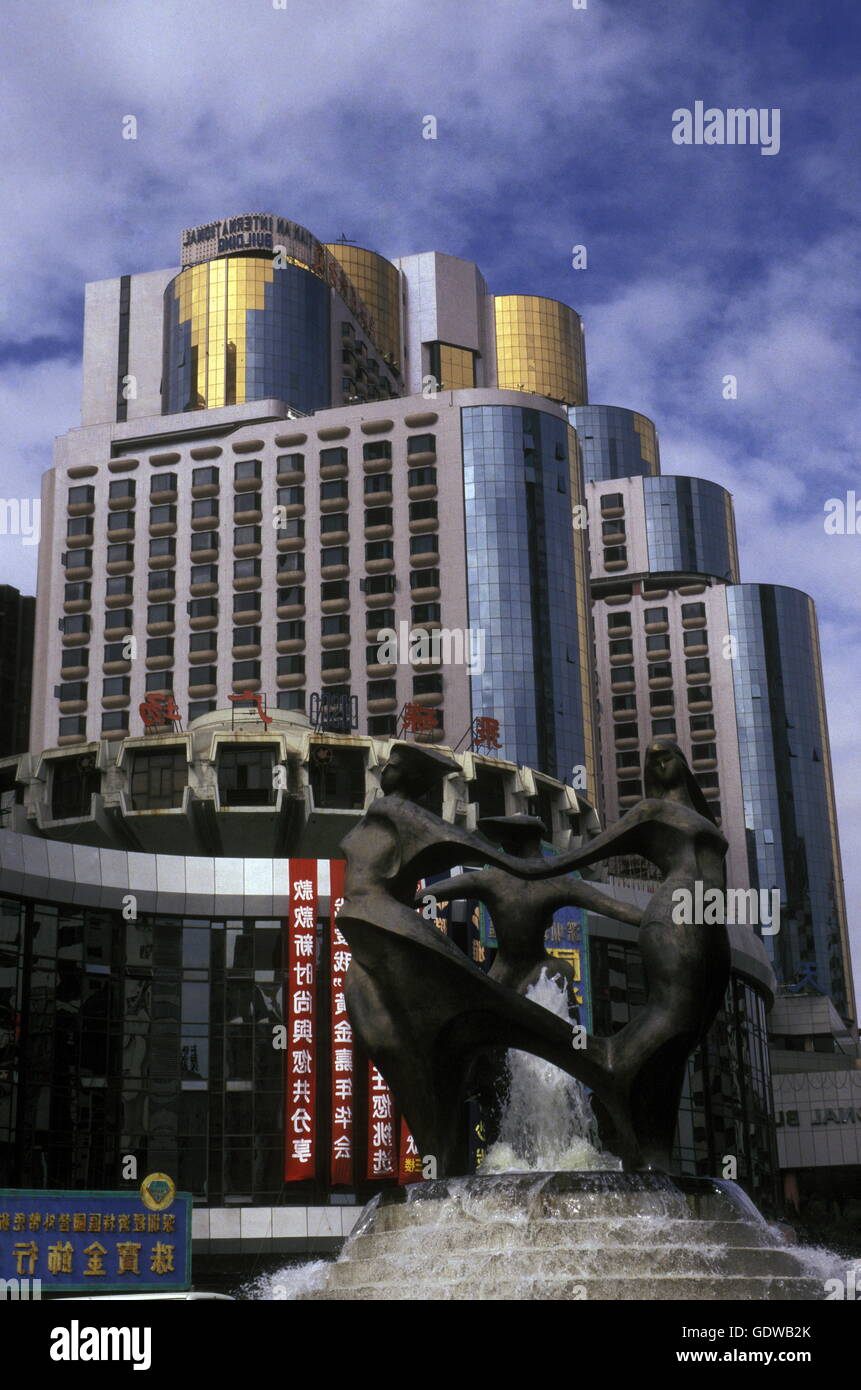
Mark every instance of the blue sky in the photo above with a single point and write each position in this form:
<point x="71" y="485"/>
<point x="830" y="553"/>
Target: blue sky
<point x="553" y="129"/>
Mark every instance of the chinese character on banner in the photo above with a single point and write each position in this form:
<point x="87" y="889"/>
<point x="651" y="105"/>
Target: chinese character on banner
<point x="418" y="720"/>
<point x="485" y="733"/>
<point x="157" y="708"/>
<point x="341" y="1155"/>
<point x="251" y="697"/>
<point x="410" y="1166"/>
<point x="382" y="1152"/>
<point x="300" y="1079"/>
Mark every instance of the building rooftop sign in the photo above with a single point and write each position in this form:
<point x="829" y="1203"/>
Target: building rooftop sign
<point x="287" y="242"/>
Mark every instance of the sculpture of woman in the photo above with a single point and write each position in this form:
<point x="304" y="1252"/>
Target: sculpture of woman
<point x="686" y="964"/>
<point x="421" y="1008"/>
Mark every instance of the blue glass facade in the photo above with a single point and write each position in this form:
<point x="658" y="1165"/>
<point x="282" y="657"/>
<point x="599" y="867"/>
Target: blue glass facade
<point x="690" y="527"/>
<point x="522" y="586"/>
<point x="238" y="330"/>
<point x="788" y="794"/>
<point x="616" y="443"/>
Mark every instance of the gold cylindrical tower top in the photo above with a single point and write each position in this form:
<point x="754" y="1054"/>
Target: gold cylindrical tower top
<point x="539" y="348"/>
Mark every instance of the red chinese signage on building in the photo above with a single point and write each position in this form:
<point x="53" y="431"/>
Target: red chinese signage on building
<point x="341" y="1154"/>
<point x="301" y="1077"/>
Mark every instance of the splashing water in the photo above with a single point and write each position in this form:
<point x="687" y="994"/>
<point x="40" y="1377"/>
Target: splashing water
<point x="547" y="1123"/>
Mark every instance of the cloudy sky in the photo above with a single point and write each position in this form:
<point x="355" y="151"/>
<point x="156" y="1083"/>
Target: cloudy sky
<point x="554" y="129"/>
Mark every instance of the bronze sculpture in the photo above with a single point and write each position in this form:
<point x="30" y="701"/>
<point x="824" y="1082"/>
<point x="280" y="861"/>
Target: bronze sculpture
<point x="425" y="1012"/>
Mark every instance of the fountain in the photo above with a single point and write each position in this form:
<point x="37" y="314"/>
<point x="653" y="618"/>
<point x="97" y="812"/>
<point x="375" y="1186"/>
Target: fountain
<point x="552" y="1213"/>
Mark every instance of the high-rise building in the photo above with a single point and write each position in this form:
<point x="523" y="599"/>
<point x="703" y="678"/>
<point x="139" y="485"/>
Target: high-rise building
<point x="731" y="671"/>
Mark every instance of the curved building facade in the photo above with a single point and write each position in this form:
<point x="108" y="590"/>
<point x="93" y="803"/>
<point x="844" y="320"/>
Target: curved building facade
<point x="787" y="785"/>
<point x="379" y="285"/>
<point x="615" y="443"/>
<point x="690" y="527"/>
<point x="521" y="482"/>
<point x="237" y="329"/>
<point x="539" y="348"/>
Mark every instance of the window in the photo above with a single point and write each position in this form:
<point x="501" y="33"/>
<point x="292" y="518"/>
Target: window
<point x="246" y="636"/>
<point x="206" y="574"/>
<point x="118" y="617"/>
<point x="72" y="724"/>
<point x="290" y="463"/>
<point x="80" y="656"/>
<point x="245" y="603"/>
<point x="423" y="545"/>
<point x="294" y="629"/>
<point x="115" y="720"/>
<point x="339" y="779"/>
<point x="624" y="702"/>
<point x="161" y="579"/>
<point x="379" y="550"/>
<point x="700" y="694"/>
<point x="331" y="661"/>
<point x="121" y="521"/>
<point x="293" y="560"/>
<point x="165" y="545"/>
<point x="378" y="482"/>
<point x="79" y="526"/>
<point x="697" y="666"/>
<point x="381" y="449"/>
<point x="115" y="685"/>
<point x="615" y="554"/>
<point x="292" y="665"/>
<point x="292" y="699"/>
<point x="333" y="457"/>
<point x="423" y="511"/>
<point x="73" y="690"/>
<point x="158" y="779"/>
<point x="382" y="725"/>
<point x="382" y="690"/>
<point x="654" y="615"/>
<point x="204" y="477"/>
<point x="701" y="722"/>
<point x="336" y="589"/>
<point x="621" y="647"/>
<point x="246" y="670"/>
<point x="294" y="594"/>
<point x="73" y="783"/>
<point x="611" y="500"/>
<point x="247" y="502"/>
<point x="116" y="651"/>
<point x="159" y="646"/>
<point x="203" y="607"/>
<point x="612" y="528"/>
<point x="203" y="675"/>
<point x="246" y="569"/>
<point x="630" y="787"/>
<point x="291" y="496"/>
<point x="430" y="684"/>
<point x="657" y="644"/>
<point x="378" y="516"/>
<point x="380" y="617"/>
<point x="162" y="482"/>
<point x="693" y="610"/>
<point x="620" y="674"/>
<point x="697" y="638"/>
<point x="335" y="488"/>
<point x="77" y="593"/>
<point x="379" y="584"/>
<point x="75" y="622"/>
<point x="329" y="522"/>
<point x="247" y="468"/>
<point x="630" y="758"/>
<point x="202" y="641"/>
<point x="119" y="586"/>
<point x="426" y="613"/>
<point x="204" y="507"/>
<point x="626" y="730"/>
<point x="84" y="558"/>
<point x="159" y="680"/>
<point x="335" y="555"/>
<point x="422" y="477"/>
<point x="705" y="751"/>
<point x="85" y="493"/>
<point x="618" y="620"/>
<point x="661" y="700"/>
<point x="661" y="670"/>
<point x="421" y="444"/>
<point x="245" y="775"/>
<point x="425" y="579"/>
<point x="119" y="554"/>
<point x="123" y="488"/>
<point x="661" y="727"/>
<point x="196" y="708"/>
<point x="204" y="540"/>
<point x="246" y="535"/>
<point x="160" y="613"/>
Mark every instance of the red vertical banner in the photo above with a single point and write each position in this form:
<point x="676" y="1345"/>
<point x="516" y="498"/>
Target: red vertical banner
<point x="410" y="1164"/>
<point x="341" y="1152"/>
<point x="301" y="1071"/>
<point x="382" y="1146"/>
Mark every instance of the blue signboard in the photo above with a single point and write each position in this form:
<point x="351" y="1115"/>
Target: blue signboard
<point x="96" y="1242"/>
